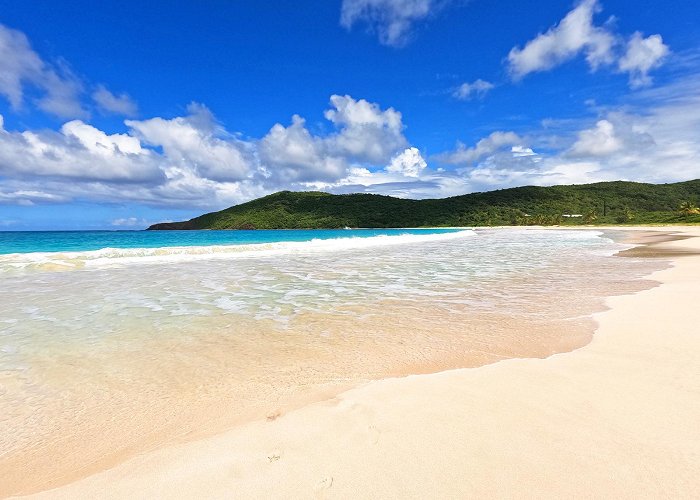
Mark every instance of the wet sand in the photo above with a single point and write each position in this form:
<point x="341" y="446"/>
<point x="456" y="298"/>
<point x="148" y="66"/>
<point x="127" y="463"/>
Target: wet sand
<point x="516" y="428"/>
<point x="653" y="244"/>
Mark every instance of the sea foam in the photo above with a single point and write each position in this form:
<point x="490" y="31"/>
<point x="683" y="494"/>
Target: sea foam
<point x="116" y="257"/>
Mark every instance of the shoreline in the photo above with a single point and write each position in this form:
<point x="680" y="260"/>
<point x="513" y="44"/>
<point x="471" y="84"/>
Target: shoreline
<point x="256" y="463"/>
<point x="615" y="417"/>
<point x="58" y="458"/>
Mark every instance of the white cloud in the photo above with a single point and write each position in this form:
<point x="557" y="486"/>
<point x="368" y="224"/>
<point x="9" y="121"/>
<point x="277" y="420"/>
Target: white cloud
<point x="81" y="162"/>
<point x="29" y="197"/>
<point x="98" y="142"/>
<point x="392" y="20"/>
<point x="292" y="154"/>
<point x="409" y="163"/>
<point x="478" y="88"/>
<point x="366" y="132"/>
<point x="21" y="66"/>
<point x="192" y="160"/>
<point x="572" y="35"/>
<point x="18" y="63"/>
<point x="78" y="151"/>
<point x="577" y="34"/>
<point x="108" y="102"/>
<point x="130" y="222"/>
<point x="598" y="141"/>
<point x="642" y="55"/>
<point x="50" y="86"/>
<point x="521" y="151"/>
<point x="196" y="141"/>
<point x="62" y="97"/>
<point x="486" y="146"/>
<point x="655" y="142"/>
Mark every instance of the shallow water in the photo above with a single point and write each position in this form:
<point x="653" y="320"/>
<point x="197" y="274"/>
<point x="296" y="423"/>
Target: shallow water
<point x="84" y="241"/>
<point x="132" y="349"/>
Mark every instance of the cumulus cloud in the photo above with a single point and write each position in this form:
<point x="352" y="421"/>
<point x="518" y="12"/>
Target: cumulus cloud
<point x="108" y="102"/>
<point x="654" y="141"/>
<point x="78" y="151"/>
<point x="292" y="154"/>
<point x="366" y="132"/>
<point x="391" y="20"/>
<point x="97" y="142"/>
<point x="478" y="88"/>
<point x="577" y="34"/>
<point x="192" y="160"/>
<point x="164" y="163"/>
<point x="598" y="141"/>
<point x="198" y="142"/>
<point x="655" y="144"/>
<point x="409" y="163"/>
<point x="642" y="55"/>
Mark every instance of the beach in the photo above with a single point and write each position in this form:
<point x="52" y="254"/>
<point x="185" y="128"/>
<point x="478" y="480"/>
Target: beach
<point x="614" y="418"/>
<point x="362" y="249"/>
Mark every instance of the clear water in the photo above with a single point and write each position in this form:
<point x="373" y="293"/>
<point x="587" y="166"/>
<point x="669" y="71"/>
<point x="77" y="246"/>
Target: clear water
<point x="106" y="352"/>
<point x="81" y="241"/>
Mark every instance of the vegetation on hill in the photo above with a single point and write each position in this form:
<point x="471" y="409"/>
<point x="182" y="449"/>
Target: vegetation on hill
<point x="600" y="203"/>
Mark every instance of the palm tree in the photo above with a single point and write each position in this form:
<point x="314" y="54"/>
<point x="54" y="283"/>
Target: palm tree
<point x="590" y="217"/>
<point x="626" y="215"/>
<point x="688" y="208"/>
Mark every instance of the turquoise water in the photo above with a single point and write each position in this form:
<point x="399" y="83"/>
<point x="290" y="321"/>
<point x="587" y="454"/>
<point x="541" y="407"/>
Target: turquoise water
<point x="112" y="341"/>
<point x="82" y="241"/>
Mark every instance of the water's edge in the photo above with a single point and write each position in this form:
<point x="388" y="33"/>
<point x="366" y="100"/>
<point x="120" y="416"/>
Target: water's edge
<point x="334" y="389"/>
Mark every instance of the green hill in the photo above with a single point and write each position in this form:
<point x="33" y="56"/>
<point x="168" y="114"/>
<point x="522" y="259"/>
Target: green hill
<point x="599" y="203"/>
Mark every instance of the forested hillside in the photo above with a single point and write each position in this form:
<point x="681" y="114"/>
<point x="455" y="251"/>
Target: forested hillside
<point x="601" y="203"/>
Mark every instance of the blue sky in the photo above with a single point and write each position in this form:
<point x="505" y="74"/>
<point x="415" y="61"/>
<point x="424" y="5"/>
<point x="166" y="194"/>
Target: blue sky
<point x="119" y="114"/>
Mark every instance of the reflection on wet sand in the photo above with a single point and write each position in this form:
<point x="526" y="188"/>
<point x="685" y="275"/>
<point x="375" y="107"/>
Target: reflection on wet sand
<point x="297" y="329"/>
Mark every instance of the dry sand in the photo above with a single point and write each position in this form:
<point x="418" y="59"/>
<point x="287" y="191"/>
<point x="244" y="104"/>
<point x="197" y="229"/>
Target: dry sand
<point x="618" y="418"/>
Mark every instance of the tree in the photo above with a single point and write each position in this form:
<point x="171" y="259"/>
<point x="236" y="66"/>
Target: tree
<point x="626" y="215"/>
<point x="590" y="217"/>
<point x="688" y="208"/>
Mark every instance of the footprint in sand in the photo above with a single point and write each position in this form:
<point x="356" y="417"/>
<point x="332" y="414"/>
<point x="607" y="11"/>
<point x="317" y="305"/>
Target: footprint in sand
<point x="274" y="415"/>
<point x="373" y="433"/>
<point x="324" y="484"/>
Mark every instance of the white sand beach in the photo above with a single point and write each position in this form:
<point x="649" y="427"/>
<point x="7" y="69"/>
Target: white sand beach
<point x="617" y="418"/>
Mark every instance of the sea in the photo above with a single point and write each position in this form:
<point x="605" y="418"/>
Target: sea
<point x="117" y="342"/>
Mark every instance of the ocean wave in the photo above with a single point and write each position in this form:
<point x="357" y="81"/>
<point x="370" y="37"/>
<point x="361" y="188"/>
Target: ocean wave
<point x="117" y="257"/>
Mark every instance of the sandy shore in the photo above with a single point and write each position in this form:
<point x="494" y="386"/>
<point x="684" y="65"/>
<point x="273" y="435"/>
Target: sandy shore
<point x="618" y="418"/>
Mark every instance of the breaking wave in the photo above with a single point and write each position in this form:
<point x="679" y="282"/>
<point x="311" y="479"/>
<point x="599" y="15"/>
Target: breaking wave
<point x="117" y="257"/>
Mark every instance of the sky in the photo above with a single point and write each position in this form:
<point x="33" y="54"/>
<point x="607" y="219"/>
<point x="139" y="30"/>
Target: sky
<point x="117" y="115"/>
